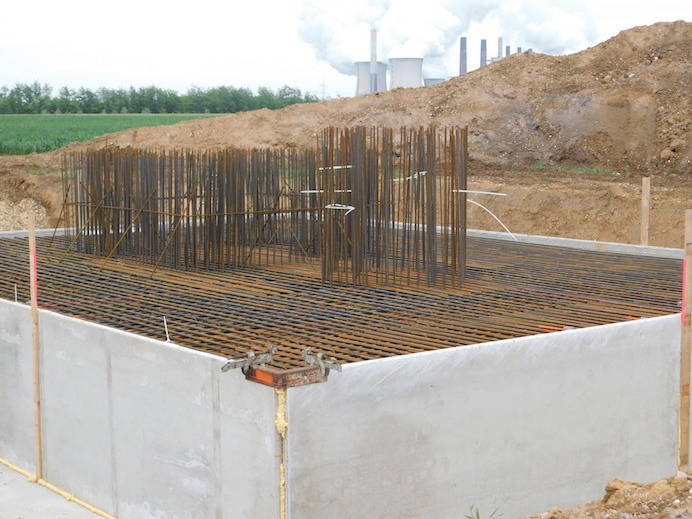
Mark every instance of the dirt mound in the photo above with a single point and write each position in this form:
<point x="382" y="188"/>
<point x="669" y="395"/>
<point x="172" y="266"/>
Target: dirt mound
<point x="665" y="499"/>
<point x="29" y="183"/>
<point x="622" y="104"/>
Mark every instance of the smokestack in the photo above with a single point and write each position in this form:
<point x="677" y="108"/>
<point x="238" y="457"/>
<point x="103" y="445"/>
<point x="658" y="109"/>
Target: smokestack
<point x="373" y="60"/>
<point x="362" y="70"/>
<point x="507" y="52"/>
<point x="499" y="48"/>
<point x="462" y="55"/>
<point x="484" y="52"/>
<point x="405" y="72"/>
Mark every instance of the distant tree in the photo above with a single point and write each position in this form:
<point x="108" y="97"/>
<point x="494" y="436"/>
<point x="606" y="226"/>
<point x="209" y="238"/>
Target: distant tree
<point x="265" y="98"/>
<point x="26" y="99"/>
<point x="36" y="98"/>
<point x="4" y="107"/>
<point x="65" y="102"/>
<point x="88" y="101"/>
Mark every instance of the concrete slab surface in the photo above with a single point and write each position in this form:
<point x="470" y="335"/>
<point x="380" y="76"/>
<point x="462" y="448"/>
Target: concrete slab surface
<point x="21" y="499"/>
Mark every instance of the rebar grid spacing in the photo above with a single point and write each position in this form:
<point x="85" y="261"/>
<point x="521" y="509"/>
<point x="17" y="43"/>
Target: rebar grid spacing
<point x="366" y="206"/>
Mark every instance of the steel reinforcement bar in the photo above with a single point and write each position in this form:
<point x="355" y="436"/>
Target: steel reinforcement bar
<point x="511" y="290"/>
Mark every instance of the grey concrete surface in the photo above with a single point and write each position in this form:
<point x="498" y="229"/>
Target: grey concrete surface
<point x="571" y="243"/>
<point x="16" y="386"/>
<point x="21" y="499"/>
<point x="137" y="427"/>
<point x="39" y="232"/>
<point x="517" y="425"/>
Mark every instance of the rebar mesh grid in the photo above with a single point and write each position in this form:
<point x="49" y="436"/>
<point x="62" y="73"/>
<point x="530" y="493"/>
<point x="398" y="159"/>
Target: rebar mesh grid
<point x="512" y="290"/>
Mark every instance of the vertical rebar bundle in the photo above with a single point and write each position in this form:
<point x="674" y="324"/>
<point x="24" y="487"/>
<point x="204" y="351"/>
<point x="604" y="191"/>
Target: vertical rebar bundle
<point x="369" y="205"/>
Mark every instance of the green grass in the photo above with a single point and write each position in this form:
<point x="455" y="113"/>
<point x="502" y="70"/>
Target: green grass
<point x="578" y="169"/>
<point x="21" y="134"/>
<point x="475" y="513"/>
<point x="35" y="169"/>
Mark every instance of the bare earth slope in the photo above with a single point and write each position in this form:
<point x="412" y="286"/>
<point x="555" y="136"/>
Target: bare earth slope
<point x="624" y="103"/>
<point x="664" y="499"/>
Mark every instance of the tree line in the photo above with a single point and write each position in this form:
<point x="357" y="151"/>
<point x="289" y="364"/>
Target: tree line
<point x="37" y="98"/>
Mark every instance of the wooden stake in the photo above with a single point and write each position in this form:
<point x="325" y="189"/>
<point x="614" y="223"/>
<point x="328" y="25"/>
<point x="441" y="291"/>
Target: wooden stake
<point x="685" y="350"/>
<point x="36" y="348"/>
<point x="646" y="203"/>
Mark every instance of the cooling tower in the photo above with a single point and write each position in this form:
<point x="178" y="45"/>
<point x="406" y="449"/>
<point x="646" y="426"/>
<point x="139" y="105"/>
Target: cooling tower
<point x="405" y="72"/>
<point x="433" y="80"/>
<point x="363" y="75"/>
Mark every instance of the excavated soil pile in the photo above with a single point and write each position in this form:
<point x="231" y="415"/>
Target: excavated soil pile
<point x="624" y="103"/>
<point x="665" y="499"/>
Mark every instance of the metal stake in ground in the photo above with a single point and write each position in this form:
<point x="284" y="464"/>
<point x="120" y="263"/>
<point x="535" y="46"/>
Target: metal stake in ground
<point x="685" y="350"/>
<point x="35" y="346"/>
<point x="646" y="203"/>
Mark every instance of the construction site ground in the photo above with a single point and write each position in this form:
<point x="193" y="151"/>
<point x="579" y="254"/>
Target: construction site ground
<point x="566" y="202"/>
<point x="568" y="138"/>
<point x="22" y="499"/>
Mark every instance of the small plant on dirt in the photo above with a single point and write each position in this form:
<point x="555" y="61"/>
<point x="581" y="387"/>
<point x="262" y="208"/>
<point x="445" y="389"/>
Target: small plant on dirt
<point x="38" y="170"/>
<point x="475" y="513"/>
<point x="577" y="169"/>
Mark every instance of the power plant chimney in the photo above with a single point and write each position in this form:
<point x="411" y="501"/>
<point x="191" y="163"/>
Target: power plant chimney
<point x="499" y="48"/>
<point x="462" y="55"/>
<point x="484" y="53"/>
<point x="373" y="60"/>
<point x="405" y="72"/>
<point x="362" y="70"/>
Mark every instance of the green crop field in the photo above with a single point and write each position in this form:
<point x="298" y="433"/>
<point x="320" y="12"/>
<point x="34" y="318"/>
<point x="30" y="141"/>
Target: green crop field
<point x="21" y="134"/>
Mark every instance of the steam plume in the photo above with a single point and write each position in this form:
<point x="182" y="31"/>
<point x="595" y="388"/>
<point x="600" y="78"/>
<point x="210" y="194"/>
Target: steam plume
<point x="338" y="32"/>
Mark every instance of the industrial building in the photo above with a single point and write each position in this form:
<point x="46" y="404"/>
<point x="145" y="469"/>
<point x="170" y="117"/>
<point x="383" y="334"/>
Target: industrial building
<point x="407" y="72"/>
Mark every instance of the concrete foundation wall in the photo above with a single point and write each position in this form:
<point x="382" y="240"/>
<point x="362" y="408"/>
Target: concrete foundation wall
<point x="137" y="427"/>
<point x="16" y="386"/>
<point x="517" y="425"/>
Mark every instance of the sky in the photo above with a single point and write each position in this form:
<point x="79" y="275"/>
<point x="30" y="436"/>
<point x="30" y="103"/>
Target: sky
<point x="309" y="44"/>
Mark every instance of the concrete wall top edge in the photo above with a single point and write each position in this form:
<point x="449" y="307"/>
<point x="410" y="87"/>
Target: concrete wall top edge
<point x="571" y="243"/>
<point x="117" y="331"/>
<point x="513" y="341"/>
<point x="39" y="232"/>
<point x="353" y="365"/>
<point x="588" y="245"/>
